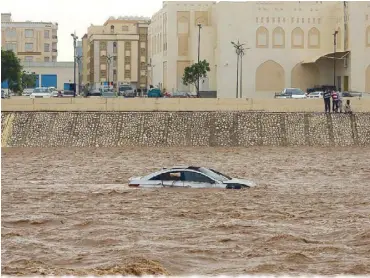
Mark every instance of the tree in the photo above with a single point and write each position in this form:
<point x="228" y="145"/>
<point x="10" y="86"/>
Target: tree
<point x="11" y="70"/>
<point x="194" y="72"/>
<point x="28" y="80"/>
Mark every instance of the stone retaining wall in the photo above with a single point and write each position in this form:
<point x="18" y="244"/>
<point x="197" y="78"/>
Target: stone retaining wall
<point x="108" y="129"/>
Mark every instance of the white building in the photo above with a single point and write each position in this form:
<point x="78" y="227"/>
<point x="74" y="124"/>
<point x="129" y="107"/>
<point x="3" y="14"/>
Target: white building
<point x="291" y="44"/>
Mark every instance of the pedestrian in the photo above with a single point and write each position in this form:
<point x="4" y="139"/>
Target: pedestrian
<point x="334" y="96"/>
<point x="340" y="102"/>
<point x="347" y="107"/>
<point x="326" y="97"/>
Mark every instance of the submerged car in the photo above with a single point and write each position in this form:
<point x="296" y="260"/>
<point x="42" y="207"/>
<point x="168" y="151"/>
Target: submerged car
<point x="189" y="177"/>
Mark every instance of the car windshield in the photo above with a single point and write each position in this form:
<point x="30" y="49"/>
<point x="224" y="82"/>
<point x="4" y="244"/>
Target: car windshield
<point x="214" y="174"/>
<point x="294" y="92"/>
<point x="125" y="88"/>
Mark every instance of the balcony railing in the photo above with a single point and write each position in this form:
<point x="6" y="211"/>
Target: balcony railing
<point x="55" y="50"/>
<point x="54" y="37"/>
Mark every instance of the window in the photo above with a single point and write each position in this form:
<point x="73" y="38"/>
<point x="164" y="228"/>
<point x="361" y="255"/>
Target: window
<point x="127" y="74"/>
<point x="168" y="176"/>
<point x="46" y="59"/>
<point x="28" y="33"/>
<point x="103" y="73"/>
<point x="11" y="46"/>
<point x="54" y="58"/>
<point x="11" y="33"/>
<point x="46" y="47"/>
<point x="127" y="59"/>
<point x="196" y="177"/>
<point x="127" y="45"/>
<point x="125" y="28"/>
<point x="112" y="29"/>
<point x="28" y="47"/>
<point x="103" y="45"/>
<point x="28" y="58"/>
<point x="142" y="51"/>
<point x="114" y="47"/>
<point x="46" y="34"/>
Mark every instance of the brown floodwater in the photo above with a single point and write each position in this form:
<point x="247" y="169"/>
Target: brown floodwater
<point x="69" y="211"/>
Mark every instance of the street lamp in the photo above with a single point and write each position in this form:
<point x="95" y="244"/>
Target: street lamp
<point x="109" y="60"/>
<point x="239" y="49"/>
<point x="78" y="58"/>
<point x="335" y="50"/>
<point x="74" y="62"/>
<point x="200" y="27"/>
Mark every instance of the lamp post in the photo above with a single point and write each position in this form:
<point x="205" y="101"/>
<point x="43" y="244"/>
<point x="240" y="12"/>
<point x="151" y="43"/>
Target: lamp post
<point x="109" y="60"/>
<point x="199" y="27"/>
<point x="74" y="62"/>
<point x="239" y="49"/>
<point x="78" y="58"/>
<point x="335" y="50"/>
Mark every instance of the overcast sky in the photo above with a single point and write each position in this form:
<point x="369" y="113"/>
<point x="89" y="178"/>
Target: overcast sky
<point x="76" y="15"/>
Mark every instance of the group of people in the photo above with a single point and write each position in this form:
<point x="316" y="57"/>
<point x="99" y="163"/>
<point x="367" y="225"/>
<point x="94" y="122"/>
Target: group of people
<point x="337" y="99"/>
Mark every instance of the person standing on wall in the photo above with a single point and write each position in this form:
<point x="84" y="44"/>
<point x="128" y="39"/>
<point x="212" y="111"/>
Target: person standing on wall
<point x="334" y="96"/>
<point x="340" y="101"/>
<point x="326" y="97"/>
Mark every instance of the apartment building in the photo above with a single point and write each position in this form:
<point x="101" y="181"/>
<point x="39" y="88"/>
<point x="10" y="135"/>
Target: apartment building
<point x="117" y="52"/>
<point x="30" y="41"/>
<point x="287" y="44"/>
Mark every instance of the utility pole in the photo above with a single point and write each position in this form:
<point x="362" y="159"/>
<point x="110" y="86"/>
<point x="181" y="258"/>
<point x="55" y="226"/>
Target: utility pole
<point x="200" y="27"/>
<point x="335" y="50"/>
<point x="74" y="62"/>
<point x="109" y="60"/>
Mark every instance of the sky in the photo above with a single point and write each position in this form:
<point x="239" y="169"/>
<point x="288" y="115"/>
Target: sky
<point x="76" y="15"/>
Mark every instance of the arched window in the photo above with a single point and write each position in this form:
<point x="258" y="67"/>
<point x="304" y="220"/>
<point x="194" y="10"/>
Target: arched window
<point x="262" y="37"/>
<point x="112" y="28"/>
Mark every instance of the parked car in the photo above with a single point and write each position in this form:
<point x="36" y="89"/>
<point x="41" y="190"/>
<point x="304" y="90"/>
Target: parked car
<point x="41" y="92"/>
<point x="181" y="95"/>
<point x="189" y="177"/>
<point x="291" y="93"/>
<point x="27" y="92"/>
<point x="126" y="90"/>
<point x="68" y="93"/>
<point x="3" y="95"/>
<point x="94" y="93"/>
<point x="315" y="95"/>
<point x="108" y="94"/>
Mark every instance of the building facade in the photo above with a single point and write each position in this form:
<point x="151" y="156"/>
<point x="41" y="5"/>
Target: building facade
<point x="30" y="41"/>
<point x="116" y="52"/>
<point x="287" y="44"/>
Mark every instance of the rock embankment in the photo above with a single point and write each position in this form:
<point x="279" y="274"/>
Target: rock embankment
<point x="110" y="129"/>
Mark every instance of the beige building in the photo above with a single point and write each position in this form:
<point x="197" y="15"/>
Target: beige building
<point x="116" y="51"/>
<point x="290" y="44"/>
<point x="31" y="41"/>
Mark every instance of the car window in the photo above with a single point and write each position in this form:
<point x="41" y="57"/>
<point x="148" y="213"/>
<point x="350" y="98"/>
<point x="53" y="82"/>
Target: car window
<point x="196" y="177"/>
<point x="168" y="176"/>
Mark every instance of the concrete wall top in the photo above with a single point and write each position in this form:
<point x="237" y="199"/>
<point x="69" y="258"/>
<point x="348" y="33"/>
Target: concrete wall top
<point x="172" y="104"/>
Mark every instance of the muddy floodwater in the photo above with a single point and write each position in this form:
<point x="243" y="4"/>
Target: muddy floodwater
<point x="69" y="211"/>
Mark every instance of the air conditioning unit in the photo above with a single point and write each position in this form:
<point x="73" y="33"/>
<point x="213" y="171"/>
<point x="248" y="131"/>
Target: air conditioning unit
<point x="345" y="62"/>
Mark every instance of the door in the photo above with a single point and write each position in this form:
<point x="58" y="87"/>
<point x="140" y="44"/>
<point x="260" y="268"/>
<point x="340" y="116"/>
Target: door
<point x="197" y="180"/>
<point x="345" y="84"/>
<point x="339" y="83"/>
